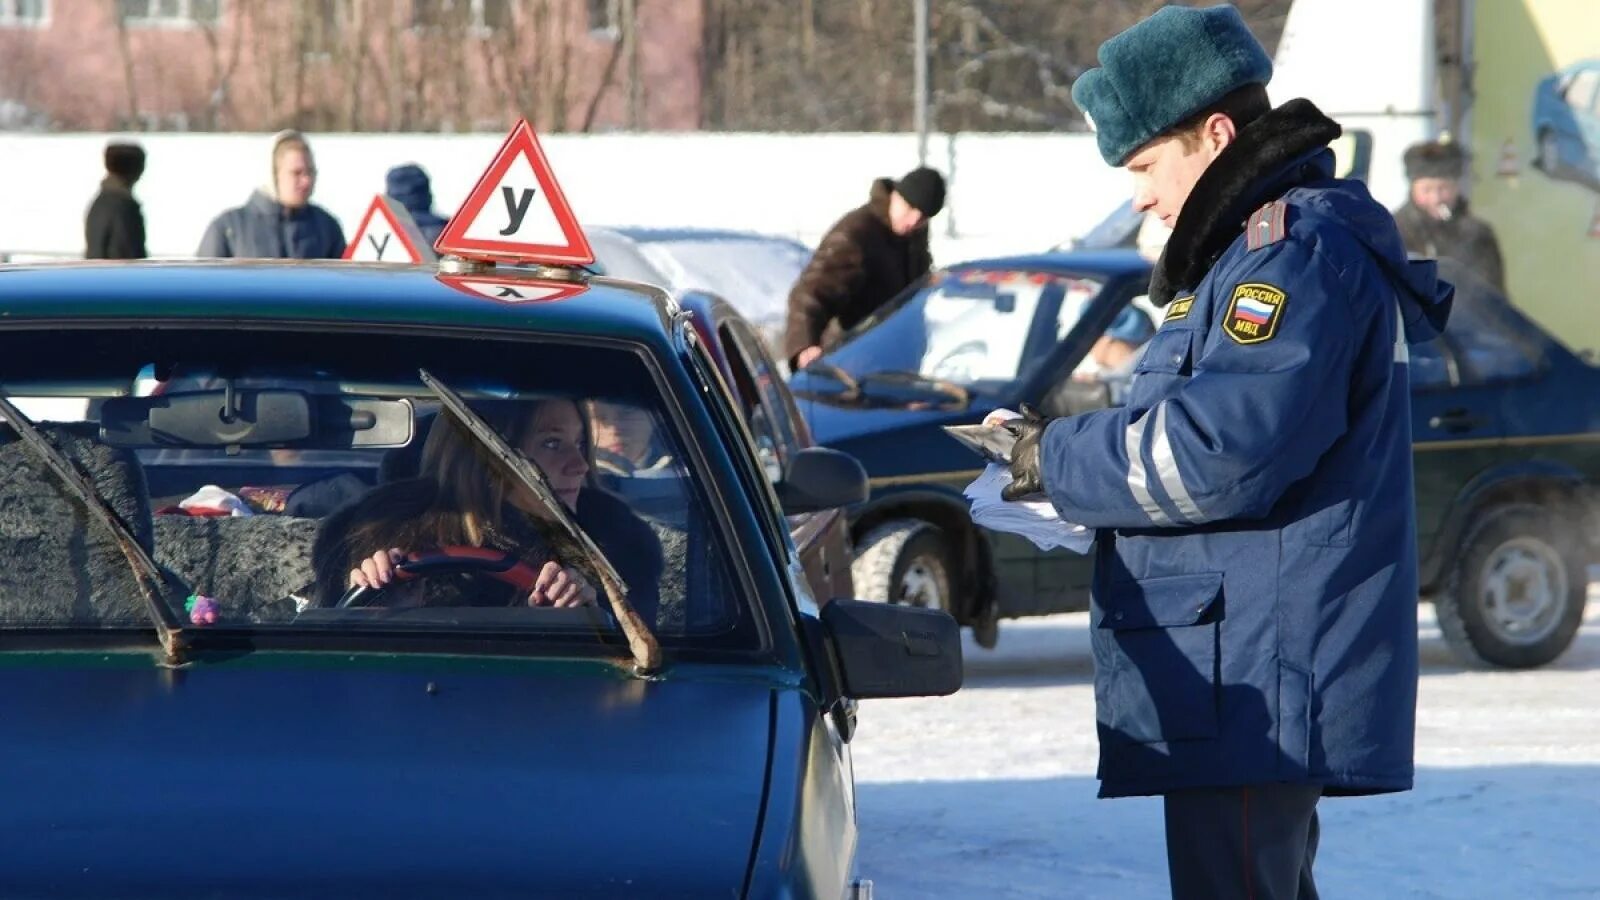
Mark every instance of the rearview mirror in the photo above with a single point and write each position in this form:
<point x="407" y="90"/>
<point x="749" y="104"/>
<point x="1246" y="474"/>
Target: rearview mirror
<point x="818" y="478"/>
<point x="885" y="650"/>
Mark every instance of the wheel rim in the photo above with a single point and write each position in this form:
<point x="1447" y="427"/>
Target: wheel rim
<point x="922" y="584"/>
<point x="1524" y="590"/>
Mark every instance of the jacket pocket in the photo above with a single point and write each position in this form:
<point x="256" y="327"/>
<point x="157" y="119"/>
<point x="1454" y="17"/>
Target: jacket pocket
<point x="1167" y="352"/>
<point x="1163" y="683"/>
<point x="1294" y="720"/>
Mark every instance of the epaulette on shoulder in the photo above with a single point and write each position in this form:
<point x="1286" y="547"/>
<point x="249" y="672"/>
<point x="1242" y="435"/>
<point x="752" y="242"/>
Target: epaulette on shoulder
<point x="1267" y="226"/>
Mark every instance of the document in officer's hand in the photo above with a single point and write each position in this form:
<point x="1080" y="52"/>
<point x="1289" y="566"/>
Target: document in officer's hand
<point x="1035" y="520"/>
<point x="988" y="441"/>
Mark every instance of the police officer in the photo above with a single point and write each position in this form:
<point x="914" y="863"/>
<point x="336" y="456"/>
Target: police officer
<point x="1435" y="221"/>
<point x="1255" y="588"/>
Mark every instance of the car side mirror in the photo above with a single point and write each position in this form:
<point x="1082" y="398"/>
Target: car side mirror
<point x="818" y="478"/>
<point x="887" y="650"/>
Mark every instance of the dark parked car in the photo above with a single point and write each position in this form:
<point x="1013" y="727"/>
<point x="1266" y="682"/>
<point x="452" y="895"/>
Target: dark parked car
<point x="779" y="431"/>
<point x="1506" y="423"/>
<point x="1566" y="124"/>
<point x="196" y="710"/>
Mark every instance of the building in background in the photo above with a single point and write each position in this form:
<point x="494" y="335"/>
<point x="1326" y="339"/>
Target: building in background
<point x="350" y="65"/>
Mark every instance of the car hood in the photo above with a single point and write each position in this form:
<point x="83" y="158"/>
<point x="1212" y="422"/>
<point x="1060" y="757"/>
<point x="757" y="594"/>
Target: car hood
<point x="341" y="778"/>
<point x="879" y="438"/>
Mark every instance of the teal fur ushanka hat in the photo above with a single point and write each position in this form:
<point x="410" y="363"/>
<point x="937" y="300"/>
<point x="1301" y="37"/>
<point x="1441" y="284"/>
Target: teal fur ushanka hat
<point x="1164" y="70"/>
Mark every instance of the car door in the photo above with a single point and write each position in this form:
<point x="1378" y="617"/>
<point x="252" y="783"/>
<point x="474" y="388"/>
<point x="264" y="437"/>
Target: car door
<point x="821" y="537"/>
<point x="1473" y="389"/>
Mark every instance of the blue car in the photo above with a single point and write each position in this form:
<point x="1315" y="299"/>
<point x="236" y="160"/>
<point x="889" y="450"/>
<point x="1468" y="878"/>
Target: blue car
<point x="313" y="585"/>
<point x="1566" y="124"/>
<point x="1506" y="423"/>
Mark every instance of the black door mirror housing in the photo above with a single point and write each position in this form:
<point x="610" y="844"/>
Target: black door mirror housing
<point x="885" y="650"/>
<point x="819" y="478"/>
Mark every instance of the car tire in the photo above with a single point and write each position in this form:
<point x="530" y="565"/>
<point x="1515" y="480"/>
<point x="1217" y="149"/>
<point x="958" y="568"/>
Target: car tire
<point x="903" y="561"/>
<point x="1515" y="597"/>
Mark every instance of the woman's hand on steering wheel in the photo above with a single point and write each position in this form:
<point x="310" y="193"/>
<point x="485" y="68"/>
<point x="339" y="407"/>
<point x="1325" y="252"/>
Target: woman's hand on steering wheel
<point x="558" y="586"/>
<point x="377" y="570"/>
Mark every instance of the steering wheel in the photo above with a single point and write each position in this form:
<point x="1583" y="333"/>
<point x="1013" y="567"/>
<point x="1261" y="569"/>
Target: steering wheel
<point x="501" y="565"/>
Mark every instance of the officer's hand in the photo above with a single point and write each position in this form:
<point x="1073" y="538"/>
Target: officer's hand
<point x="1025" y="476"/>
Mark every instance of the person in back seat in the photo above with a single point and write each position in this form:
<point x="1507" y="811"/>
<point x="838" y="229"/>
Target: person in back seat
<point x="458" y="497"/>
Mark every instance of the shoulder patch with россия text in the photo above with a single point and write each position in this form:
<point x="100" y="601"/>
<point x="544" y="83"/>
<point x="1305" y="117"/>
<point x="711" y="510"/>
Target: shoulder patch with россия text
<point x="1254" y="312"/>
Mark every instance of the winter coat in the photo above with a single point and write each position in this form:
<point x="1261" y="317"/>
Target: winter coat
<point x="1254" y="604"/>
<point x="410" y="187"/>
<point x="114" y="226"/>
<point x="860" y="265"/>
<point x="1461" y="237"/>
<point x="265" y="229"/>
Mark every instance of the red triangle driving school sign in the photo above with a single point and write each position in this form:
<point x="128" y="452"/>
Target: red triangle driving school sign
<point x="387" y="233"/>
<point x="516" y="211"/>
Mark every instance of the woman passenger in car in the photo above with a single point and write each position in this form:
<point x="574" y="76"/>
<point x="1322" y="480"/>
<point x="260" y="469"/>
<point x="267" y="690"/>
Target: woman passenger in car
<point x="460" y="498"/>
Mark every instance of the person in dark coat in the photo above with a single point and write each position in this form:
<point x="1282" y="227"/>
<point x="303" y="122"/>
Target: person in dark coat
<point x="410" y="187"/>
<point x="1254" y="601"/>
<point x="280" y="221"/>
<point x="1435" y="221"/>
<point x="114" y="226"/>
<point x="871" y="254"/>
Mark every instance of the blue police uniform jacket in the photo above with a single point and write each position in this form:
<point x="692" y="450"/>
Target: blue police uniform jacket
<point x="1254" y="607"/>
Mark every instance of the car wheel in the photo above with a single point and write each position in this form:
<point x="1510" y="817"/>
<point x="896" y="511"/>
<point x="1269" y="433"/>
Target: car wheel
<point x="903" y="561"/>
<point x="1515" y="597"/>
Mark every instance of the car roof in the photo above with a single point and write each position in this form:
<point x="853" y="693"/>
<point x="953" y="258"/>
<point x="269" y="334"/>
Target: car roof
<point x="651" y="234"/>
<point x="295" y="291"/>
<point x="1112" y="263"/>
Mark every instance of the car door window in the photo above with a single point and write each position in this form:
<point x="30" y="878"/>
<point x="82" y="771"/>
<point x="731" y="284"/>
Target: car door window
<point x="762" y="417"/>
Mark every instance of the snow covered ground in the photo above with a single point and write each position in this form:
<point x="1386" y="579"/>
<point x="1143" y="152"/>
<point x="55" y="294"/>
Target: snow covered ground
<point x="991" y="793"/>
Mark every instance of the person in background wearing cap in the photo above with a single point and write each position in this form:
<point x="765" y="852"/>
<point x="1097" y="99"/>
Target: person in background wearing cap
<point x="865" y="259"/>
<point x="1255" y="588"/>
<point x="114" y="225"/>
<point x="1435" y="222"/>
<point x="410" y="187"/>
<point x="279" y="221"/>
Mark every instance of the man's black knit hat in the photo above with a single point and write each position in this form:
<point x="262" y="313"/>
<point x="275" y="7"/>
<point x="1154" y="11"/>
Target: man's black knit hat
<point x="125" y="160"/>
<point x="923" y="188"/>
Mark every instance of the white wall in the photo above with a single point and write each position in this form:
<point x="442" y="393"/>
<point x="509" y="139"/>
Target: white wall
<point x="1009" y="192"/>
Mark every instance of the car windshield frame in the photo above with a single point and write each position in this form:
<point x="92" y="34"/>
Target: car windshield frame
<point x="1036" y="352"/>
<point x="720" y="509"/>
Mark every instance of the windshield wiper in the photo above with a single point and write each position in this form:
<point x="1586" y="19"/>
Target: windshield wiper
<point x="913" y="380"/>
<point x="152" y="584"/>
<point x="646" y="650"/>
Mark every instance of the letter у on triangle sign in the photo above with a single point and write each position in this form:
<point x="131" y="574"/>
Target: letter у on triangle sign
<point x="516" y="212"/>
<point x="512" y="290"/>
<point x="387" y="233"/>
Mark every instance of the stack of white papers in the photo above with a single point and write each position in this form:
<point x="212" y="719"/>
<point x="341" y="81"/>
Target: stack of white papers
<point x="1035" y="520"/>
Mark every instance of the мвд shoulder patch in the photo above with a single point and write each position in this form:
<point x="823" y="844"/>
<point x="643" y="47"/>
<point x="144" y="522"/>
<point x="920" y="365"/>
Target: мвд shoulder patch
<point x="1254" y="312"/>
<point x="1179" y="309"/>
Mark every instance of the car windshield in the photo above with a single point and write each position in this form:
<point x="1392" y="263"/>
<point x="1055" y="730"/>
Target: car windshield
<point x="973" y="327"/>
<point x="268" y="473"/>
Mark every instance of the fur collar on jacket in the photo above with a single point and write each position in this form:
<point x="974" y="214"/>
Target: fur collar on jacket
<point x="1266" y="158"/>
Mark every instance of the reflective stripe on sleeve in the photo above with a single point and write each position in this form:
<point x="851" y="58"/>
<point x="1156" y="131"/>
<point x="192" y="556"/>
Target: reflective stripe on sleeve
<point x="1167" y="469"/>
<point x="1402" y="353"/>
<point x="1136" y="473"/>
